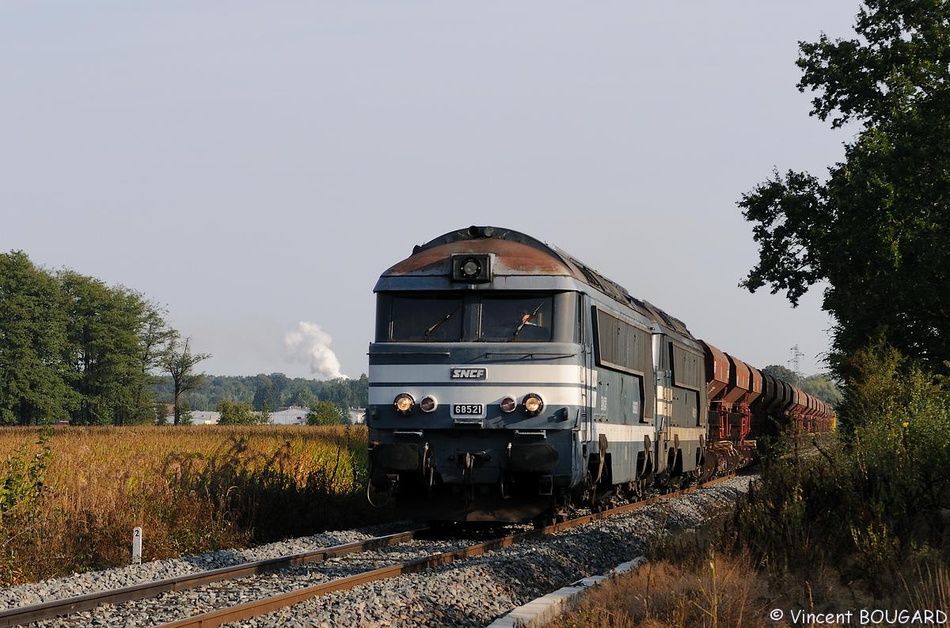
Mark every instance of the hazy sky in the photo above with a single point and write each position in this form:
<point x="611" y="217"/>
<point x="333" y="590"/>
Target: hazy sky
<point x="254" y="167"/>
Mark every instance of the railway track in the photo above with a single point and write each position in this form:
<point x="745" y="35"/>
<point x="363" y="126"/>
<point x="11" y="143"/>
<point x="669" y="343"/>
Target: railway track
<point x="244" y="610"/>
<point x="57" y="608"/>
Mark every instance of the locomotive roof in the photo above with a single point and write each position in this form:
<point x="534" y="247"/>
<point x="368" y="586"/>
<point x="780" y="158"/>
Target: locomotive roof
<point x="522" y="251"/>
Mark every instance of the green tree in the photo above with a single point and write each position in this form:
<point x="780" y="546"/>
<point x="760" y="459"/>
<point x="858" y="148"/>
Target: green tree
<point x="161" y="414"/>
<point x="325" y="413"/>
<point x="876" y="230"/>
<point x="360" y="391"/>
<point x="239" y="413"/>
<point x="275" y="390"/>
<point x="300" y="394"/>
<point x="820" y="385"/>
<point x="179" y="362"/>
<point x="115" y="338"/>
<point x="345" y="393"/>
<point x="155" y="335"/>
<point x="268" y="390"/>
<point x="783" y="373"/>
<point x="33" y="345"/>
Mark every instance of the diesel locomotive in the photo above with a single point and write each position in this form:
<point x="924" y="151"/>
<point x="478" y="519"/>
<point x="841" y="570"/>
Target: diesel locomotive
<point x="509" y="381"/>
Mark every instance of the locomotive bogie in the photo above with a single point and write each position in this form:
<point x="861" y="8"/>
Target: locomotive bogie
<point x="628" y="450"/>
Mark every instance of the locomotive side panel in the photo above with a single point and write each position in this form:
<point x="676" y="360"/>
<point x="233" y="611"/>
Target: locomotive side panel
<point x="623" y="415"/>
<point x="680" y="378"/>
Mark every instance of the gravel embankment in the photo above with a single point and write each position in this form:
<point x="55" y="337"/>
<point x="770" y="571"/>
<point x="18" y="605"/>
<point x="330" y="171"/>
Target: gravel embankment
<point x="468" y="593"/>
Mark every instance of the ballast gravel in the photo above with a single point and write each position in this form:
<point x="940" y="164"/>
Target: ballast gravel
<point x="472" y="592"/>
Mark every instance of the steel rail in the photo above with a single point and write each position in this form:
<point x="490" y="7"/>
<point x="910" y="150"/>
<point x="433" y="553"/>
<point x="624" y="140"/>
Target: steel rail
<point x="262" y="606"/>
<point x="55" y="608"/>
<point x="273" y="603"/>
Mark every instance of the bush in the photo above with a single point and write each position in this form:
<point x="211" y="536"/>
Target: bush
<point x="870" y="504"/>
<point x="240" y="413"/>
<point x="325" y="413"/>
<point x="22" y="487"/>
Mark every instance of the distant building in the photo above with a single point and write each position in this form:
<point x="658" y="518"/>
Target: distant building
<point x="293" y="415"/>
<point x="204" y="417"/>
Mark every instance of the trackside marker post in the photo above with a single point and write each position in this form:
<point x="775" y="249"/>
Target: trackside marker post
<point x="136" y="546"/>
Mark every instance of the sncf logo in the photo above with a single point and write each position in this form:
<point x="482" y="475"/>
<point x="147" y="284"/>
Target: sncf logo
<point x="469" y="373"/>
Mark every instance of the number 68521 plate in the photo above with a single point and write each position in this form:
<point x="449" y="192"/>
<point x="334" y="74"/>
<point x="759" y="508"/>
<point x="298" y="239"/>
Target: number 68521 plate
<point x="468" y="409"/>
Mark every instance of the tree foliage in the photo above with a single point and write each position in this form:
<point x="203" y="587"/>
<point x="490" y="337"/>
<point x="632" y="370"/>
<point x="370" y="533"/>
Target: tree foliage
<point x="179" y="362"/>
<point x="115" y="339"/>
<point x="73" y="348"/>
<point x="819" y="385"/>
<point x="34" y="374"/>
<point x="273" y="391"/>
<point x="267" y="390"/>
<point x="873" y="507"/>
<point x="876" y="230"/>
<point x="239" y="413"/>
<point x="325" y="413"/>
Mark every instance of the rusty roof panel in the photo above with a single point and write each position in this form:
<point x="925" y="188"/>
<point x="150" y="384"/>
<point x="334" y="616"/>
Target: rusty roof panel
<point x="767" y="397"/>
<point x="511" y="258"/>
<point x="717" y="369"/>
<point x="738" y="379"/>
<point x="755" y="384"/>
<point x="784" y="397"/>
<point x="797" y="406"/>
<point x="739" y="375"/>
<point x="519" y="254"/>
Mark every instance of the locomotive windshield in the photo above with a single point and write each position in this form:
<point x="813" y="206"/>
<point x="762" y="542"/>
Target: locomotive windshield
<point x="510" y="319"/>
<point x="421" y="318"/>
<point x="454" y="317"/>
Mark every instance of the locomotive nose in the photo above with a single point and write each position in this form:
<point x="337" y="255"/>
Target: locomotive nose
<point x="533" y="458"/>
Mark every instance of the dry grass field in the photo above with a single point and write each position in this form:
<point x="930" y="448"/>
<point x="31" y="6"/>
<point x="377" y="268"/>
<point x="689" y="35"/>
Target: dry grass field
<point x="70" y="496"/>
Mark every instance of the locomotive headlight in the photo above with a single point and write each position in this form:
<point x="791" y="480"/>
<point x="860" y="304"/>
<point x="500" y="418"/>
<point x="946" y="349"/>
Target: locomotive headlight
<point x="532" y="404"/>
<point x="428" y="404"/>
<point x="404" y="403"/>
<point x="470" y="268"/>
<point x="508" y="404"/>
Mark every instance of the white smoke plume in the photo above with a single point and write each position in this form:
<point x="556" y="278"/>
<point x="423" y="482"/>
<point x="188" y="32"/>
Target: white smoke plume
<point x="310" y="344"/>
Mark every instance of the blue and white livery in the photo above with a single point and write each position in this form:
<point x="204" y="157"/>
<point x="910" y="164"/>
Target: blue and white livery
<point x="508" y="380"/>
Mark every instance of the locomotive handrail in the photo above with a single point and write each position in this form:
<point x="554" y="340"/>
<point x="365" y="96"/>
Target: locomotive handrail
<point x="414" y="352"/>
<point x="531" y="354"/>
<point x="532" y="433"/>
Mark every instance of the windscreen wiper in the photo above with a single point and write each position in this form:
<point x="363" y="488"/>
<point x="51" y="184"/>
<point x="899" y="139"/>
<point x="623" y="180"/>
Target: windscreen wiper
<point x="434" y="325"/>
<point x="525" y="321"/>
